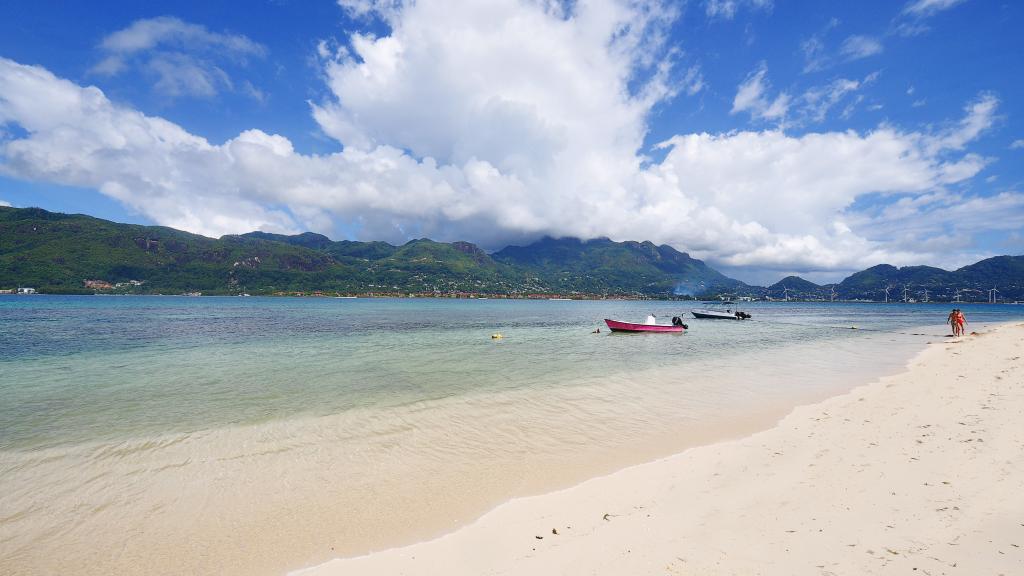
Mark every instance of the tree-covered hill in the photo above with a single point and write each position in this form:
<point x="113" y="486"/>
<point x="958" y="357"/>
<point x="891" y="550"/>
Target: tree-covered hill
<point x="796" y="287"/>
<point x="81" y="254"/>
<point x="1006" y="273"/>
<point x="72" y="253"/>
<point x="603" y="265"/>
<point x="59" y="252"/>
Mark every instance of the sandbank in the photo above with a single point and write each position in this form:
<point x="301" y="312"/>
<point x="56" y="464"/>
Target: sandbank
<point x="920" y="472"/>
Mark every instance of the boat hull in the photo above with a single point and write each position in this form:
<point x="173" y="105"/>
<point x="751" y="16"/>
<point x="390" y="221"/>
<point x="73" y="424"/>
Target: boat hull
<point x="713" y="315"/>
<point x="616" y="326"/>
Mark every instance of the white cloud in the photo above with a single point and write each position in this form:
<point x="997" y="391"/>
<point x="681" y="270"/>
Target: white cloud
<point x="361" y="8"/>
<point x="856" y="47"/>
<point x="816" y="102"/>
<point x="1017" y="144"/>
<point x="693" y="81"/>
<point x="78" y="137"/>
<point x="178" y="74"/>
<point x="938" y="227"/>
<point x="5" y="203"/>
<point x="783" y="194"/>
<point x="751" y="96"/>
<point x="929" y="7"/>
<point x="184" y="59"/>
<point x="979" y="116"/>
<point x="816" y="56"/>
<point x="727" y="9"/>
<point x="499" y="123"/>
<point x="912" y="19"/>
<point x="147" y="34"/>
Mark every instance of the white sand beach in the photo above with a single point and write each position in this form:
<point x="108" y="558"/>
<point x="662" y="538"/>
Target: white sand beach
<point x="922" y="473"/>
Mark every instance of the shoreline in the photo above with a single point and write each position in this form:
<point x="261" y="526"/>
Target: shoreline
<point x="775" y="502"/>
<point x="569" y="297"/>
<point x="217" y="492"/>
<point x="413" y="493"/>
<point x="425" y="296"/>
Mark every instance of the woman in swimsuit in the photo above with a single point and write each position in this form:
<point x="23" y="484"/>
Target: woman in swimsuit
<point x="960" y="321"/>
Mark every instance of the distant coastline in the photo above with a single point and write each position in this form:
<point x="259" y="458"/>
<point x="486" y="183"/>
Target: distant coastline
<point x="491" y="296"/>
<point x="57" y="253"/>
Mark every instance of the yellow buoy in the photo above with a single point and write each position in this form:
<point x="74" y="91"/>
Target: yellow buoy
<point x="496" y="336"/>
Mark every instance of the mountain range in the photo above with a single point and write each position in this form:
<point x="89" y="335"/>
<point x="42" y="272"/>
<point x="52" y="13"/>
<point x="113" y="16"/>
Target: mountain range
<point x="74" y="253"/>
<point x="972" y="283"/>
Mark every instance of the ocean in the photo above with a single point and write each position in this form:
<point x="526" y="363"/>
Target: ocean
<point x="169" y="435"/>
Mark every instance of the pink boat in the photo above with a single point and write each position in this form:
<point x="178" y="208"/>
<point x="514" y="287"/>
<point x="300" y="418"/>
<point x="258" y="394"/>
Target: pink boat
<point x="617" y="326"/>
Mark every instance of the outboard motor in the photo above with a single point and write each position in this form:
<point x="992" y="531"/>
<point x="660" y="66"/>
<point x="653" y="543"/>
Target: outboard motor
<point x="677" y="321"/>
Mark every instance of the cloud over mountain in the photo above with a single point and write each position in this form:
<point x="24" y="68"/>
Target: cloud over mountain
<point x="503" y="121"/>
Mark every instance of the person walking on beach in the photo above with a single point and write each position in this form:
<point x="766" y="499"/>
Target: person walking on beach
<point x="951" y="320"/>
<point x="960" y="321"/>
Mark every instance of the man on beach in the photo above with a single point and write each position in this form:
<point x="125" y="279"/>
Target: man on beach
<point x="956" y="320"/>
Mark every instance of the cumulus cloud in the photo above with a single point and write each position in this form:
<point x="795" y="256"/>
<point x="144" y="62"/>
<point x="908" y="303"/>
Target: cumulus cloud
<point x="498" y="124"/>
<point x="184" y="59"/>
<point x="1017" y="144"/>
<point x="77" y="136"/>
<point x="788" y="196"/>
<point x="5" y="203"/>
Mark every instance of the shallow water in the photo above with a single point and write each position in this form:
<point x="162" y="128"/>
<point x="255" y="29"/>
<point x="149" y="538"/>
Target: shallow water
<point x="256" y="435"/>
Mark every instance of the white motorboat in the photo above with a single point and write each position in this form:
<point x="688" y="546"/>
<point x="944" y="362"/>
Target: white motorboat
<point x="728" y="314"/>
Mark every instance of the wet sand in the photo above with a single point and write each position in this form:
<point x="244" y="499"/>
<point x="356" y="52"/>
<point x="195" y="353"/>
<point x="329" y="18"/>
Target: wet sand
<point x="271" y="497"/>
<point x="921" y="472"/>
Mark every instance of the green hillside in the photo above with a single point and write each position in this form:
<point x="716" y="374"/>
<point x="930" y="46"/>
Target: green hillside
<point x="972" y="282"/>
<point x="72" y="253"/>
<point x="796" y="285"/>
<point x="60" y="253"/>
<point x="601" y="265"/>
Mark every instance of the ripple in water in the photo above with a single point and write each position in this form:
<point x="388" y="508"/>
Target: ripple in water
<point x="169" y="435"/>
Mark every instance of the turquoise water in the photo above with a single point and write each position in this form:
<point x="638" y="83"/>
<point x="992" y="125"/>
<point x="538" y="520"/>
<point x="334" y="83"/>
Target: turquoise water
<point x="77" y="369"/>
<point x="257" y="435"/>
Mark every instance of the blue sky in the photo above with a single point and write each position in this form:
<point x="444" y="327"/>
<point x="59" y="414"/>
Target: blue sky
<point x="766" y="137"/>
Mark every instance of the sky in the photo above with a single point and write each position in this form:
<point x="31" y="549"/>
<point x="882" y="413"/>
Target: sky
<point x="766" y="137"/>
